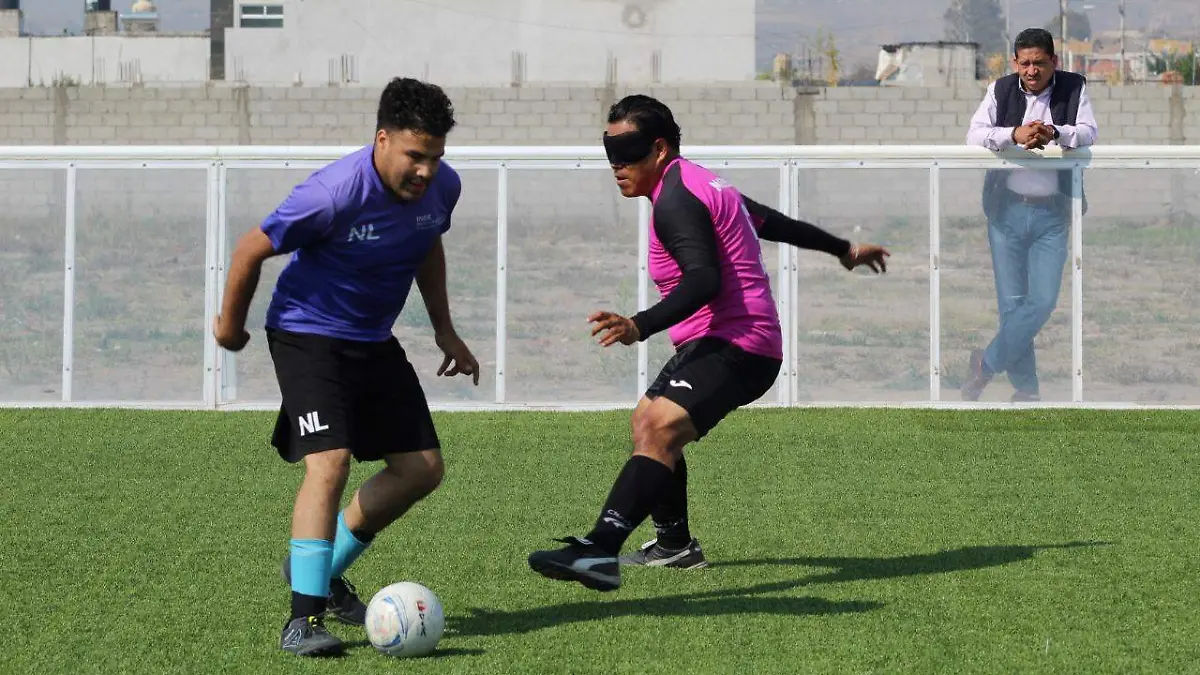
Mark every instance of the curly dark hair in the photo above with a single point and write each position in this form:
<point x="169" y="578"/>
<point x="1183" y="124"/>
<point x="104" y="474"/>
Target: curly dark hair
<point x="408" y="104"/>
<point x="649" y="116"/>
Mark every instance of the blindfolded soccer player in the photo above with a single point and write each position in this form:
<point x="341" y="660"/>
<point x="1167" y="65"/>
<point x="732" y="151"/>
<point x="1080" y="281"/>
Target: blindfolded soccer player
<point x="717" y="305"/>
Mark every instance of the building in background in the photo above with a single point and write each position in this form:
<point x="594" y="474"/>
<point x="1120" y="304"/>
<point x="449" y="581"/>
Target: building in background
<point x="928" y="64"/>
<point x="141" y="18"/>
<point x="453" y="42"/>
<point x="11" y="20"/>
<point x="116" y="48"/>
<point x="481" y="42"/>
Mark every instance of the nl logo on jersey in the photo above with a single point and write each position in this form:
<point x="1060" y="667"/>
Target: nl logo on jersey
<point x="310" y="423"/>
<point x="362" y="233"/>
<point x="429" y="221"/>
<point x="718" y="183"/>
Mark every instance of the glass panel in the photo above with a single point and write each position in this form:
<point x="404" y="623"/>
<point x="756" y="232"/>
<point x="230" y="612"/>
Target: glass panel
<point x="251" y="195"/>
<point x="471" y="284"/>
<point x="572" y="250"/>
<point x="139" y="297"/>
<point x="31" y="283"/>
<point x="1009" y="266"/>
<point x="1141" y="311"/>
<point x="863" y="336"/>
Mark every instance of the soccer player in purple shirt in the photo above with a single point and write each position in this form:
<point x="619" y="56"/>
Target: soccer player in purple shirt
<point x="359" y="232"/>
<point x="717" y="305"/>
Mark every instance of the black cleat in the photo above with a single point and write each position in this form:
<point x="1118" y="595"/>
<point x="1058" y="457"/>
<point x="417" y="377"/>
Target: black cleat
<point x="307" y="636"/>
<point x="690" y="557"/>
<point x="343" y="603"/>
<point x="581" y="561"/>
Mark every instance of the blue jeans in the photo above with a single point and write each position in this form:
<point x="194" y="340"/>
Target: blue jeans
<point x="1029" y="251"/>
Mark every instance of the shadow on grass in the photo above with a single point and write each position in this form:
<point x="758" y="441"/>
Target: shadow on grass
<point x="753" y="599"/>
<point x="721" y="603"/>
<point x="953" y="560"/>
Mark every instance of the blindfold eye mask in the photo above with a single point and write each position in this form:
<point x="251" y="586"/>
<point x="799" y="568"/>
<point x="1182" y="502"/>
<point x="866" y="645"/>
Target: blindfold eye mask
<point x="628" y="148"/>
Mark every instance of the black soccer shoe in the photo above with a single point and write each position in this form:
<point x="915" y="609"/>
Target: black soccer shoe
<point x="307" y="636"/>
<point x="581" y="561"/>
<point x="690" y="557"/>
<point x="343" y="602"/>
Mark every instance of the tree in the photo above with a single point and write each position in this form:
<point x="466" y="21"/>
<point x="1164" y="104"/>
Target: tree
<point x="979" y="21"/>
<point x="1078" y="26"/>
<point x="1183" y="65"/>
<point x="830" y="51"/>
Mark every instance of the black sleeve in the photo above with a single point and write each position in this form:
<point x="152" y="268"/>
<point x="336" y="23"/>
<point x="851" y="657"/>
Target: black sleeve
<point x="778" y="227"/>
<point x="685" y="228"/>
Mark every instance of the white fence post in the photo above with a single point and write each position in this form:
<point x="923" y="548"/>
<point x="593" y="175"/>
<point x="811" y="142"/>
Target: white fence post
<point x="68" y="332"/>
<point x="501" y="282"/>
<point x="643" y="299"/>
<point x="935" y="284"/>
<point x="212" y="283"/>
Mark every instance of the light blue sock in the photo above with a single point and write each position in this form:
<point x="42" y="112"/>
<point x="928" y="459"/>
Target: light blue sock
<point x="311" y="559"/>
<point x="346" y="548"/>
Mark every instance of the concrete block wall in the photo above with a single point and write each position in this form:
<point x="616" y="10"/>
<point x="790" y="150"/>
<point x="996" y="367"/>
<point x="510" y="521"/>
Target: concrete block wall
<point x="717" y="114"/>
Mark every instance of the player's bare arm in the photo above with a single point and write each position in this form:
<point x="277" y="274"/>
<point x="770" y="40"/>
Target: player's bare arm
<point x="229" y="326"/>
<point x="431" y="280"/>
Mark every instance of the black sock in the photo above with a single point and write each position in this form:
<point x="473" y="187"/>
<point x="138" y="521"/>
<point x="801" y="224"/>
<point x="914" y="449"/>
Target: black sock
<point x="670" y="514"/>
<point x="639" y="486"/>
<point x="307" y="605"/>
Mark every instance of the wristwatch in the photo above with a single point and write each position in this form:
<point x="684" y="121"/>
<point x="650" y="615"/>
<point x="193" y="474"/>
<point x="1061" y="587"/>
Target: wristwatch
<point x="1055" y="130"/>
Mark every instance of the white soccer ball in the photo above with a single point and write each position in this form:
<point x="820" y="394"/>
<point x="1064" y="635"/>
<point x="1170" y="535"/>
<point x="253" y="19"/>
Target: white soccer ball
<point x="405" y="619"/>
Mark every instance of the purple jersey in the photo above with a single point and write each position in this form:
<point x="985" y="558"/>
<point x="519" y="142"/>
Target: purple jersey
<point x="700" y="221"/>
<point x="355" y="248"/>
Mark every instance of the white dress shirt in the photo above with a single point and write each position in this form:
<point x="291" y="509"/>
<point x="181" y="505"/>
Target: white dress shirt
<point x="1032" y="182"/>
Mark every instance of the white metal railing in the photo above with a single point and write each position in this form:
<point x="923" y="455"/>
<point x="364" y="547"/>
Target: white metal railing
<point x="789" y="161"/>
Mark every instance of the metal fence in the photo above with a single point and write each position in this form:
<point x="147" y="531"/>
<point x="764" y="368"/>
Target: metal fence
<point x="114" y="261"/>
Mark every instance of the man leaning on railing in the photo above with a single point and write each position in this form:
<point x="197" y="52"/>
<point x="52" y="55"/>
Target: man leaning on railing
<point x="1028" y="210"/>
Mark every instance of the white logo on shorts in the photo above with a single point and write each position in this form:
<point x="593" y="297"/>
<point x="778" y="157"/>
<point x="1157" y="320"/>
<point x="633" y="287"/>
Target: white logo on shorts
<point x="681" y="383"/>
<point x="311" y="423"/>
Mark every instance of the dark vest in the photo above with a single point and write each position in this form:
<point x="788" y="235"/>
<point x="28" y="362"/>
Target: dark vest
<point x="1010" y="112"/>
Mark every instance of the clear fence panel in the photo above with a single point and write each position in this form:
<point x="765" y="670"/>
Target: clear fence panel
<point x="31" y="284"/>
<point x="761" y="185"/>
<point x="1023" y="252"/>
<point x="250" y="196"/>
<point x="572" y="249"/>
<point x="471" y="284"/>
<point x="1141" y="301"/>
<point x="139" y="298"/>
<point x="862" y="336"/>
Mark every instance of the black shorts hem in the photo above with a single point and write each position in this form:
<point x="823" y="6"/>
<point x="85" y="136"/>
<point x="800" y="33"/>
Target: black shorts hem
<point x="710" y="378"/>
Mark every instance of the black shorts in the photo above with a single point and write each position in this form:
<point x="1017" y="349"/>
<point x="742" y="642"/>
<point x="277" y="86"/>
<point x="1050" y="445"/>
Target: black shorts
<point x="710" y="378"/>
<point x="364" y="396"/>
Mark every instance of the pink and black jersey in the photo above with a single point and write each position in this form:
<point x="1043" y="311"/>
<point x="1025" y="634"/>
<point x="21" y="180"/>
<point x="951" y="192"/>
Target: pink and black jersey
<point x="706" y="261"/>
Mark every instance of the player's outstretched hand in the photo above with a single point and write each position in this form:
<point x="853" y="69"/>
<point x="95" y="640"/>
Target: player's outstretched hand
<point x="616" y="328"/>
<point x="233" y="340"/>
<point x="456" y="353"/>
<point x="871" y="255"/>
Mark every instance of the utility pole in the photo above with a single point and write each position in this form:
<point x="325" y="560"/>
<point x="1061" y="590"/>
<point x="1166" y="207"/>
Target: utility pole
<point x="1122" y="10"/>
<point x="1062" y="29"/>
<point x="1008" y="38"/>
